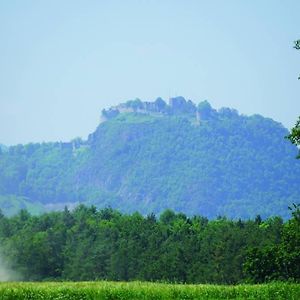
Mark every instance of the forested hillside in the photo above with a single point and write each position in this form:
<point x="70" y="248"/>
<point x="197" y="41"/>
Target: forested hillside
<point x="149" y="156"/>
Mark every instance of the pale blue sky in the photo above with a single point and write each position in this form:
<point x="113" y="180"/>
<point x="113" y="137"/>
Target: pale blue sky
<point x="62" y="62"/>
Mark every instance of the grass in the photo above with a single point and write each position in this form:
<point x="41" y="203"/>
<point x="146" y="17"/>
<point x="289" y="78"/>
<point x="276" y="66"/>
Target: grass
<point x="134" y="118"/>
<point x="144" y="290"/>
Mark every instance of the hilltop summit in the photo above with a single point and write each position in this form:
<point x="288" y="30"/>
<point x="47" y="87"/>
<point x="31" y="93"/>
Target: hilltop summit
<point x="176" y="106"/>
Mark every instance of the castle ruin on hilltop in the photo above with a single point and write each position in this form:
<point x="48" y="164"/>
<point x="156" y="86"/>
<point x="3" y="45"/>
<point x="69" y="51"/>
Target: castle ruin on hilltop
<point x="177" y="106"/>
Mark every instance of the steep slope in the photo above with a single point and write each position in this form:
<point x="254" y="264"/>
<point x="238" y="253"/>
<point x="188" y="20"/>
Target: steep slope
<point x="152" y="156"/>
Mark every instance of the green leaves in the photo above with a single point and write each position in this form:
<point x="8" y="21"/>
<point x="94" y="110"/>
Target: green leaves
<point x="87" y="244"/>
<point x="294" y="135"/>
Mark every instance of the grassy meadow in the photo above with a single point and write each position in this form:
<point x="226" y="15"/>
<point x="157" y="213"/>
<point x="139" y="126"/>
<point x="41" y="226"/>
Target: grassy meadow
<point x="144" y="290"/>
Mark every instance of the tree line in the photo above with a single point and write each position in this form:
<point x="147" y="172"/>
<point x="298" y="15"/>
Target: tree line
<point x="91" y="244"/>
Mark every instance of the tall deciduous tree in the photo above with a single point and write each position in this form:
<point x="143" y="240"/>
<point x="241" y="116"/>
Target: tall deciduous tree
<point x="294" y="136"/>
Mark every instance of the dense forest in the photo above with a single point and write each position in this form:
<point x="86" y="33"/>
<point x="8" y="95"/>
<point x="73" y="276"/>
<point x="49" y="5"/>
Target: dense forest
<point x="151" y="156"/>
<point x="91" y="244"/>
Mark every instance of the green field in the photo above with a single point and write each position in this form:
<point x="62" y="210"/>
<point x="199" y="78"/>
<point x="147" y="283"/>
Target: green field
<point x="141" y="290"/>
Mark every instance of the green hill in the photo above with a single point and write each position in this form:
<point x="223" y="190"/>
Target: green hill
<point x="148" y="156"/>
<point x="3" y="148"/>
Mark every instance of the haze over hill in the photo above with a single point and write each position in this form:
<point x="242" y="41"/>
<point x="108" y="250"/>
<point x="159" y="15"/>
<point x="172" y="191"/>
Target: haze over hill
<point x="149" y="156"/>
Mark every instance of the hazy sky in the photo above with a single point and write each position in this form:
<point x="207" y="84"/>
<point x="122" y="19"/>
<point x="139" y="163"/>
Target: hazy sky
<point x="62" y="62"/>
